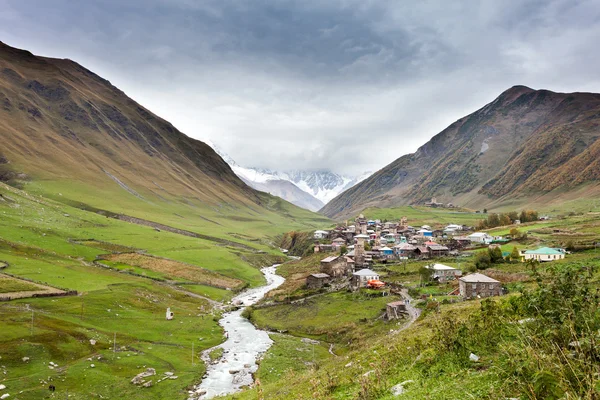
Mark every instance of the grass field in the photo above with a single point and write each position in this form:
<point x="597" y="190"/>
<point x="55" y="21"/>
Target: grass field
<point x="44" y="238"/>
<point x="335" y="317"/>
<point x="10" y="285"/>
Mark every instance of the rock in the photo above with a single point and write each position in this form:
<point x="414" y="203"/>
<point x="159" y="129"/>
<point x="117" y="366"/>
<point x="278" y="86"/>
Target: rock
<point x="139" y="378"/>
<point x="234" y="371"/>
<point x="25" y="359"/>
<point x="247" y="365"/>
<point x="349" y="364"/>
<point x="174" y="377"/>
<point x="169" y="374"/>
<point x="473" y="357"/>
<point x="2" y="387"/>
<point x="398" y="389"/>
<point x="5" y="396"/>
<point x="92" y="366"/>
<point x="147" y="384"/>
<point x="92" y="342"/>
<point x="366" y="374"/>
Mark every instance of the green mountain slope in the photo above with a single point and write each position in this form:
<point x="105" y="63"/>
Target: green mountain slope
<point x="74" y="137"/>
<point x="524" y="145"/>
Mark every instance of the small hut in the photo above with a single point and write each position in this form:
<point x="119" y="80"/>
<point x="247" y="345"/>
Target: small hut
<point x="395" y="310"/>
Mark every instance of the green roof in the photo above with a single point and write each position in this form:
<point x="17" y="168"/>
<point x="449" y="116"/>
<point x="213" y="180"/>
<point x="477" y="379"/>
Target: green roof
<point x="544" y="251"/>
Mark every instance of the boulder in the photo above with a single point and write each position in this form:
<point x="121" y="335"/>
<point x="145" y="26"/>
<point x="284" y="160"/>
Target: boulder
<point x="139" y="378"/>
<point x="398" y="389"/>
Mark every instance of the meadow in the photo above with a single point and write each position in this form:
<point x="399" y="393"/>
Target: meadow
<point x="52" y="240"/>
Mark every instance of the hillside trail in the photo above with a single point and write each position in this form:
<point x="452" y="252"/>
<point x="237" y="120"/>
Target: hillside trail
<point x="413" y="312"/>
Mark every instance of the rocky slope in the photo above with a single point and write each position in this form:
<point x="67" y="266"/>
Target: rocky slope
<point x="525" y="144"/>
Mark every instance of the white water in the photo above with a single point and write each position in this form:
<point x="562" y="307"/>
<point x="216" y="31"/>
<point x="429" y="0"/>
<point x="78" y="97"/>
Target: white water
<point x="244" y="345"/>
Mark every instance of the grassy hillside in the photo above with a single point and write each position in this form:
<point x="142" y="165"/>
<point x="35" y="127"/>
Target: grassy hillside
<point x="106" y="202"/>
<point x="537" y="342"/>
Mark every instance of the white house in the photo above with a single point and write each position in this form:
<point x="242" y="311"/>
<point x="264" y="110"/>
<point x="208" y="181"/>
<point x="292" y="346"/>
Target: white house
<point x="444" y="273"/>
<point x="321" y="234"/>
<point x="454" y="227"/>
<point x="544" y="254"/>
<point x="480" y="237"/>
<point x="362" y="277"/>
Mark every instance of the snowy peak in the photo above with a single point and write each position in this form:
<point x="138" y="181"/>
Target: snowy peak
<point x="314" y="188"/>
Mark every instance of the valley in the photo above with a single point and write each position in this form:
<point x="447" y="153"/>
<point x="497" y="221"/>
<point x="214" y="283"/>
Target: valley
<point x="137" y="262"/>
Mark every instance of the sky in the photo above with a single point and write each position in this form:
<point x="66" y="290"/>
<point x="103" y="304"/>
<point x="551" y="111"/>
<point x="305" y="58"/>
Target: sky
<point x="342" y="85"/>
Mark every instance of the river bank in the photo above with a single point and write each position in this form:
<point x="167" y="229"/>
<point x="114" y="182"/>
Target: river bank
<point x="244" y="345"/>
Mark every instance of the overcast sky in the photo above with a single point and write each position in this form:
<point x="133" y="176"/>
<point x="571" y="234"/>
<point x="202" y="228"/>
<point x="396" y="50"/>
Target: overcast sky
<point x="346" y="85"/>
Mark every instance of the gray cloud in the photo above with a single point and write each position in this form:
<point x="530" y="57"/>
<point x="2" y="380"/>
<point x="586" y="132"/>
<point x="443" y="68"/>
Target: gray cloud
<point x="348" y="85"/>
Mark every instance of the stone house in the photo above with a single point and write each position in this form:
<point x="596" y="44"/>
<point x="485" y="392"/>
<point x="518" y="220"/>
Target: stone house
<point x="317" y="281"/>
<point x="478" y="285"/>
<point x="335" y="267"/>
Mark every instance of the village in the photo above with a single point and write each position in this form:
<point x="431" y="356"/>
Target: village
<point x="354" y="255"/>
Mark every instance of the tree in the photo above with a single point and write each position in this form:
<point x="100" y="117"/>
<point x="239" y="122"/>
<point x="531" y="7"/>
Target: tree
<point x="570" y="246"/>
<point x="495" y="255"/>
<point x="343" y="250"/>
<point x="426" y="274"/>
<point x="483" y="260"/>
<point x="367" y="246"/>
<point x="513" y="215"/>
<point x="514" y="254"/>
<point x="485" y="210"/>
<point x="493" y="220"/>
<point x="514" y="233"/>
<point x="523" y="217"/>
<point x="505" y="220"/>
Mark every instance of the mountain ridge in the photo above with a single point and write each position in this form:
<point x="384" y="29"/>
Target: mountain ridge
<point x="507" y="148"/>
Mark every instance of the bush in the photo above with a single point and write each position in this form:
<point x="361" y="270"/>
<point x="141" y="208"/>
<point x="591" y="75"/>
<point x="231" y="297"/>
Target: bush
<point x="483" y="260"/>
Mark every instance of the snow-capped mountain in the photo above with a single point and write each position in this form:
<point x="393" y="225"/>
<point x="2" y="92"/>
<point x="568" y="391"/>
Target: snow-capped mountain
<point x="308" y="189"/>
<point x="324" y="185"/>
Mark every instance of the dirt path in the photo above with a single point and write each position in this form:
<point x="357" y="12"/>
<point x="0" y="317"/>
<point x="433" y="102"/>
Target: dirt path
<point x="413" y="312"/>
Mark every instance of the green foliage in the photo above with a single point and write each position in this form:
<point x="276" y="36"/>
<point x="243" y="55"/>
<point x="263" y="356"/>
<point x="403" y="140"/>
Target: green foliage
<point x="483" y="260"/>
<point x="425" y="274"/>
<point x="495" y="255"/>
<point x="343" y="250"/>
<point x="514" y="254"/>
<point x="494" y="220"/>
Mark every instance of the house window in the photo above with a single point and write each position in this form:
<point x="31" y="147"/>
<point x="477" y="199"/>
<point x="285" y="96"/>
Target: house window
<point x="491" y="286"/>
<point x="474" y="286"/>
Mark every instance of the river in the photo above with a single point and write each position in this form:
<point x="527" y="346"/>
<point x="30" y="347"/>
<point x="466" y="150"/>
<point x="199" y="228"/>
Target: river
<point x="242" y="348"/>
